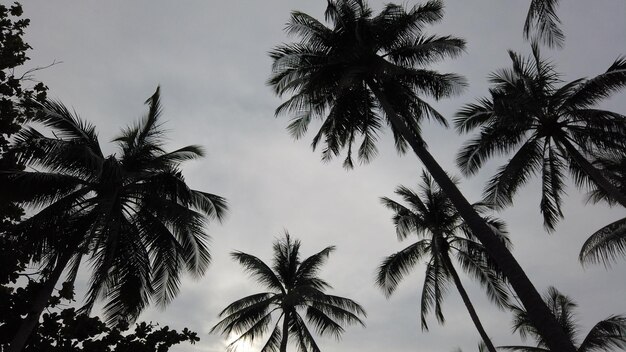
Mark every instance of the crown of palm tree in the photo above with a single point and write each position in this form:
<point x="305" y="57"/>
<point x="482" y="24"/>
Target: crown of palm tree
<point x="294" y="289"/>
<point x="443" y="234"/>
<point x="605" y="335"/>
<point x="132" y="215"/>
<point x="334" y="73"/>
<point x="549" y="128"/>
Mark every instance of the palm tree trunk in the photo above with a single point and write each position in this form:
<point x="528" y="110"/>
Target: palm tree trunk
<point x="38" y="305"/>
<point x="546" y="323"/>
<point x="468" y="304"/>
<point x="592" y="172"/>
<point x="283" y="341"/>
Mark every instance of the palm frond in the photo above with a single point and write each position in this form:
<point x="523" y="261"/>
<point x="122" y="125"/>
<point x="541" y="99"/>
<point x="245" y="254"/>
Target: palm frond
<point x="394" y="24"/>
<point x="606" y="335"/>
<point x="255" y="330"/>
<point x="259" y="270"/>
<point x="252" y="316"/>
<point x="246" y="302"/>
<point x="66" y="124"/>
<point x="613" y="167"/>
<point x="552" y="188"/>
<point x="286" y="260"/>
<point x="606" y="245"/>
<point x="174" y="158"/>
<point x="273" y="343"/>
<point x="213" y="206"/>
<point x="543" y="22"/>
<point x="167" y="256"/>
<point x="342" y="310"/>
<point x="426" y="49"/>
<point x="492" y="140"/>
<point x="475" y="261"/>
<point x="598" y="88"/>
<point x="305" y="341"/>
<point x="310" y="266"/>
<point x="404" y="220"/>
<point x="323" y="324"/>
<point x="38" y="189"/>
<point x="501" y="188"/>
<point x="395" y="267"/>
<point x="433" y="291"/>
<point x="474" y="115"/>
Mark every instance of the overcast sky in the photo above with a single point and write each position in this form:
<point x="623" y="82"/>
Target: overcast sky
<point x="210" y="58"/>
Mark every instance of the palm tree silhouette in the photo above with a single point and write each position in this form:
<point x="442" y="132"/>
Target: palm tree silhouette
<point x="132" y="216"/>
<point x="443" y="234"/>
<point x="367" y="71"/>
<point x="608" y="243"/>
<point x="542" y="23"/>
<point x="605" y="335"/>
<point x="549" y="128"/>
<point x="294" y="288"/>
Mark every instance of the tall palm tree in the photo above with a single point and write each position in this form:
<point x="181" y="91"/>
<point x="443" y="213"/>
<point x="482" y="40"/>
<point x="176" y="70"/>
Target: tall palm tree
<point x="608" y="243"/>
<point x="443" y="235"/>
<point x="549" y="128"/>
<point x="294" y="288"/>
<point x="131" y="215"/>
<point x="367" y="71"/>
<point x="542" y="23"/>
<point x="605" y="335"/>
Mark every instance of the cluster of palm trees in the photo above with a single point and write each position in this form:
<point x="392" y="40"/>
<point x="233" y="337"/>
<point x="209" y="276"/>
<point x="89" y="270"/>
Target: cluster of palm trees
<point x="367" y="71"/>
<point x="140" y="226"/>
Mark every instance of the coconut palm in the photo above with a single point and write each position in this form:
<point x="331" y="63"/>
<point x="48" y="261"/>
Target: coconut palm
<point x="608" y="243"/>
<point x="442" y="235"/>
<point x="369" y="71"/>
<point x="550" y="128"/>
<point x="295" y="293"/>
<point x="131" y="215"/>
<point x="542" y="23"/>
<point x="605" y="335"/>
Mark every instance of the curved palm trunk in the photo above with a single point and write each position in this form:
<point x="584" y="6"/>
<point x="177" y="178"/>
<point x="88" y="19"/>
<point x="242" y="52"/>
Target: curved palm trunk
<point x="283" y="341"/>
<point x="468" y="304"/>
<point x="594" y="173"/>
<point x="39" y="304"/>
<point x="546" y="324"/>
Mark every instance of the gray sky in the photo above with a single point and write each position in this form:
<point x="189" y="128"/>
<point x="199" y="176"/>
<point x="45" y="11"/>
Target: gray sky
<point x="211" y="61"/>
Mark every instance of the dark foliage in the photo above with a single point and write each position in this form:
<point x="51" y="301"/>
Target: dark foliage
<point x="16" y="98"/>
<point x="65" y="330"/>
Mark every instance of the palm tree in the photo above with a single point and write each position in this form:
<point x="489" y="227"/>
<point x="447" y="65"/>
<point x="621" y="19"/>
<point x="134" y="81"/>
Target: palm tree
<point x="542" y="23"/>
<point x="608" y="243"/>
<point x="443" y="234"/>
<point x="549" y="128"/>
<point x="132" y="216"/>
<point x="294" y="288"/>
<point x="603" y="336"/>
<point x="367" y="71"/>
